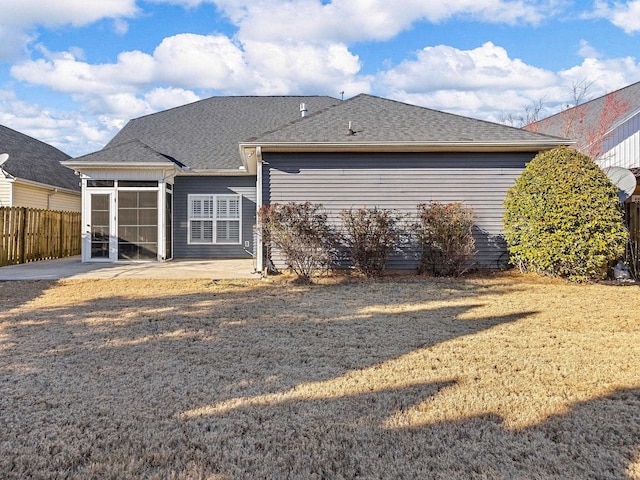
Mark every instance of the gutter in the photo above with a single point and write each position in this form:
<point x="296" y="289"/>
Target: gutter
<point x="78" y="166"/>
<point x="250" y="152"/>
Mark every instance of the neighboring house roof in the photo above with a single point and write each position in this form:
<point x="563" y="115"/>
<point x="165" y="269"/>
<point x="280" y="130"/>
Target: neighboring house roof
<point x="35" y="161"/>
<point x="213" y="134"/>
<point x="204" y="135"/>
<point x="590" y="121"/>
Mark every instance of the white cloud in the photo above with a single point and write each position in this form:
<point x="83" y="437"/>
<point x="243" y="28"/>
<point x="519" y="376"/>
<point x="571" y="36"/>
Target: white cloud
<point x="62" y="12"/>
<point x="486" y="83"/>
<point x="624" y="15"/>
<point x="71" y="132"/>
<point x="299" y="67"/>
<point x="445" y="67"/>
<point x="165" y="98"/>
<point x="20" y="17"/>
<point x="357" y="20"/>
<point x="123" y="106"/>
<point x="483" y="82"/>
<point x="605" y="75"/>
<point x="120" y="26"/>
<point x="587" y="51"/>
<point x="209" y="62"/>
<point x="186" y="60"/>
<point x="63" y="72"/>
<point x="200" y="61"/>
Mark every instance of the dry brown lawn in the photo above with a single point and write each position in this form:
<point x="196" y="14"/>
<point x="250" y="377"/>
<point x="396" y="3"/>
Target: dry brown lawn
<point x="503" y="376"/>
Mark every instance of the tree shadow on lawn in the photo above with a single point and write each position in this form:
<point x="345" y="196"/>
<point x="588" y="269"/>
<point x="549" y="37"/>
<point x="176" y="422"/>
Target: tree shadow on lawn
<point x="271" y="383"/>
<point x="346" y="438"/>
<point x="13" y="294"/>
<point x="250" y="342"/>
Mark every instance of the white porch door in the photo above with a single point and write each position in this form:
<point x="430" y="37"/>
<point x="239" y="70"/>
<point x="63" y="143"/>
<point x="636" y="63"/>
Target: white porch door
<point x="100" y="228"/>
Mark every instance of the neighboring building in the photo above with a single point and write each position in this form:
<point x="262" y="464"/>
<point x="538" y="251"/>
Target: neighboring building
<point x="187" y="182"/>
<point x="606" y="128"/>
<point x="32" y="175"/>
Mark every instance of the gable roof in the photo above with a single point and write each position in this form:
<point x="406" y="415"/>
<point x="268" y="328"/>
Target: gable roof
<point x="205" y="134"/>
<point x="582" y="121"/>
<point x="130" y="153"/>
<point x="375" y="120"/>
<point x="35" y="161"/>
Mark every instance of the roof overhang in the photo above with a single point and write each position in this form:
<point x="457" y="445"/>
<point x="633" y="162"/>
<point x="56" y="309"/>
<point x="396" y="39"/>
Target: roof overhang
<point x="112" y="170"/>
<point x="251" y="153"/>
<point x="79" y="166"/>
<point x="213" y="172"/>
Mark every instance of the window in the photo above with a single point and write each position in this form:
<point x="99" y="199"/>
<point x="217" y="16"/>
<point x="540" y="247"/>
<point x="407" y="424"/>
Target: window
<point x="214" y="219"/>
<point x="100" y="183"/>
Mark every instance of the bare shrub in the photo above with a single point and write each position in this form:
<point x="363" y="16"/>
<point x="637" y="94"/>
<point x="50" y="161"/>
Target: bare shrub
<point x="370" y="235"/>
<point x="445" y="232"/>
<point x="301" y="234"/>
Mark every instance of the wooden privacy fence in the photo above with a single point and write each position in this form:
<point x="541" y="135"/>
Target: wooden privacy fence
<point x="29" y="234"/>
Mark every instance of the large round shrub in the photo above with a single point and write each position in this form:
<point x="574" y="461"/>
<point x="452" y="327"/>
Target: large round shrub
<point x="562" y="217"/>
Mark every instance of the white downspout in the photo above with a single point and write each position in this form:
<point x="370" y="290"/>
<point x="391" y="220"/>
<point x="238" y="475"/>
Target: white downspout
<point x="259" y="246"/>
<point x="49" y="195"/>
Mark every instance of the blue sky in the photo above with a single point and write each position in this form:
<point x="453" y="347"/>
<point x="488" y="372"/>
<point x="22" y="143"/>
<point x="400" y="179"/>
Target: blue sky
<point x="72" y="73"/>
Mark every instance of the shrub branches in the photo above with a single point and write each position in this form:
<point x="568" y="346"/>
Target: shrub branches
<point x="445" y="232"/>
<point x="370" y="235"/>
<point x="301" y="234"/>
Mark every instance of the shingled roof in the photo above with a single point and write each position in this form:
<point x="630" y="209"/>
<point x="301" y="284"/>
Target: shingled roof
<point x="366" y="119"/>
<point x="584" y="120"/>
<point x="36" y="161"/>
<point x="128" y="153"/>
<point x="205" y="134"/>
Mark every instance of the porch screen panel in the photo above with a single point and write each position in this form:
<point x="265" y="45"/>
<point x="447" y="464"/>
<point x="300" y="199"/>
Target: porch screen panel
<point x="137" y="225"/>
<point x="100" y="229"/>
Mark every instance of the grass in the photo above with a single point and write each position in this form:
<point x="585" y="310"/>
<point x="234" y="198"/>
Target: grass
<point x="506" y="376"/>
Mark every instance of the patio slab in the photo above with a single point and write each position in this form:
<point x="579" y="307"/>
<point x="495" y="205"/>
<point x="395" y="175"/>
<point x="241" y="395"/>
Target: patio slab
<point x="73" y="268"/>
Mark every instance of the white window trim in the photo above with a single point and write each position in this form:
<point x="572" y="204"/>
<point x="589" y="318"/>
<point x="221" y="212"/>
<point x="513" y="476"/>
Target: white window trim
<point x="214" y="198"/>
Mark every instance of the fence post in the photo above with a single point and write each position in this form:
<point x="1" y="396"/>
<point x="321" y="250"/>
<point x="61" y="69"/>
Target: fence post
<point x="60" y="235"/>
<point x="22" y="234"/>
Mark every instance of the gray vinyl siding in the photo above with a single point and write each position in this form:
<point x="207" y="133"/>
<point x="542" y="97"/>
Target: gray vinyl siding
<point x="184" y="186"/>
<point x="401" y="181"/>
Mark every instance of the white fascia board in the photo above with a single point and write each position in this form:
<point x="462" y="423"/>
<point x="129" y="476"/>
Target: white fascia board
<point x="214" y="172"/>
<point x="79" y="166"/>
<point x="622" y="121"/>
<point x="251" y="153"/>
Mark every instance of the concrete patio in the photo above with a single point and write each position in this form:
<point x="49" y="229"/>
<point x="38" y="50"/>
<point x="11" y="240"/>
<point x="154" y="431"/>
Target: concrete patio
<point x="73" y="268"/>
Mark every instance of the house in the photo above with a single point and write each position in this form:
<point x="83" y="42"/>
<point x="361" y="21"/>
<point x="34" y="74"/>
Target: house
<point x="606" y="128"/>
<point x="31" y="174"/>
<point x="187" y="182"/>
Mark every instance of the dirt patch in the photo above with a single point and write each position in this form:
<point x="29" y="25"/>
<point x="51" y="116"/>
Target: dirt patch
<point x="500" y="376"/>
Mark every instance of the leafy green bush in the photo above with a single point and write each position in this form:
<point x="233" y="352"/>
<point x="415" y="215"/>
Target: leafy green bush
<point x="562" y="217"/>
<point x="445" y="232"/>
<point x="370" y="235"/>
<point x="301" y="234"/>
